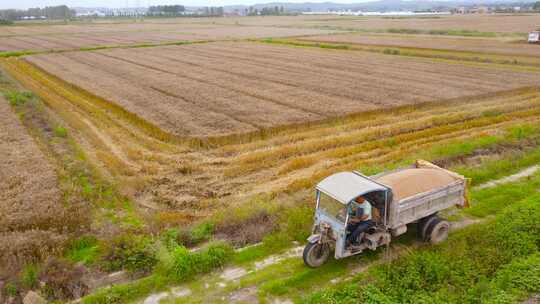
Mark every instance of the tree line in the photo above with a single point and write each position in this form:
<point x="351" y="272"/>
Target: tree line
<point x="266" y="11"/>
<point x="180" y="10"/>
<point x="49" y="12"/>
<point x="166" y="10"/>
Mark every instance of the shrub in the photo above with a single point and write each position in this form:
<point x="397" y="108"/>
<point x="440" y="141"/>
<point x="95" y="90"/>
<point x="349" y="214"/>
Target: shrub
<point x="187" y="237"/>
<point x="181" y="264"/>
<point x="522" y="131"/>
<point x="202" y="232"/>
<point x="60" y="131"/>
<point x="6" y="22"/>
<point x="170" y="238"/>
<point x="131" y="252"/>
<point x="84" y="249"/>
<point x="11" y="290"/>
<point x="30" y="276"/>
<point x="62" y="280"/>
<point x="246" y="228"/>
<point x="17" y="98"/>
<point x="297" y="221"/>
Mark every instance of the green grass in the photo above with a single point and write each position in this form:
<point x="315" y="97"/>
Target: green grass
<point x="175" y="265"/>
<point x="60" y="131"/>
<point x="18" y="98"/>
<point x="10" y="289"/>
<point x="4" y="22"/>
<point x="96" y="48"/>
<point x="466" y="33"/>
<point x="300" y="280"/>
<point x="438" y="152"/>
<point x="18" y="53"/>
<point x="491" y="200"/>
<point x="84" y="249"/>
<point x="179" y="264"/>
<point x="125" y="292"/>
<point x="498" y="168"/>
<point x="29" y="276"/>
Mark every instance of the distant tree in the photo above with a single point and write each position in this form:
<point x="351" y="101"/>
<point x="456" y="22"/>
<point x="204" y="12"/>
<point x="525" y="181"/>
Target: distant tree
<point x="213" y="11"/>
<point x="272" y="10"/>
<point x="536" y="6"/>
<point x="50" y="12"/>
<point x="166" y="10"/>
<point x="5" y="22"/>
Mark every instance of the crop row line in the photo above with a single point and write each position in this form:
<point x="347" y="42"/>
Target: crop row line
<point x="453" y="55"/>
<point x="400" y="154"/>
<point x="338" y="148"/>
<point x="378" y="118"/>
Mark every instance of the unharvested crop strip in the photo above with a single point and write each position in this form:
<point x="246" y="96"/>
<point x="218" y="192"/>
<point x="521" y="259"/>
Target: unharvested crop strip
<point x="394" y="155"/>
<point x="318" y="132"/>
<point x="268" y="157"/>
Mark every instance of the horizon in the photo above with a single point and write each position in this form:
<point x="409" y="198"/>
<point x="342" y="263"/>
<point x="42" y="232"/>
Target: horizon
<point x="26" y="4"/>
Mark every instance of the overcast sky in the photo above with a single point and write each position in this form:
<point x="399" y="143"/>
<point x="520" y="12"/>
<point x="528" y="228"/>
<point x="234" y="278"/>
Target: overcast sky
<point x="132" y="3"/>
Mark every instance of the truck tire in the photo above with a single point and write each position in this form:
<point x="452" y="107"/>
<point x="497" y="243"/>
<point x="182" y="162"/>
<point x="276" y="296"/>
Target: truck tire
<point x="423" y="225"/>
<point x="316" y="254"/>
<point x="437" y="231"/>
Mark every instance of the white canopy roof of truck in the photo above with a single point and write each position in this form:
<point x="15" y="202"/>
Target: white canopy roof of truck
<point x="346" y="186"/>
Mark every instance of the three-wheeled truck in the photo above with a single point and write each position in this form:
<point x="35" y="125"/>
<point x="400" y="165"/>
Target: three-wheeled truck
<point x="398" y="198"/>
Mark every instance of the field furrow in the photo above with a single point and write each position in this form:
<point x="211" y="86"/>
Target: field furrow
<point x="196" y="101"/>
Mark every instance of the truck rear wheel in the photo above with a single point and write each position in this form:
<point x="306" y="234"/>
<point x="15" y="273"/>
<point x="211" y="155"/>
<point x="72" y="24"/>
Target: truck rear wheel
<point x="316" y="254"/>
<point x="438" y="232"/>
<point x="423" y="225"/>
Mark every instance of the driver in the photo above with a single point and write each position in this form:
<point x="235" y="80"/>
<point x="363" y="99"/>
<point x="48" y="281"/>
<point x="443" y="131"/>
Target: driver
<point x="359" y="219"/>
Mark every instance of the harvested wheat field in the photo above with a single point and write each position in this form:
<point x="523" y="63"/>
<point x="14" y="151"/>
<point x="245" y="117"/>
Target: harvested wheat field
<point x="160" y="174"/>
<point x="498" y="23"/>
<point x="220" y="89"/>
<point x="60" y="37"/>
<point x="30" y="200"/>
<point x="29" y="195"/>
<point x="470" y="44"/>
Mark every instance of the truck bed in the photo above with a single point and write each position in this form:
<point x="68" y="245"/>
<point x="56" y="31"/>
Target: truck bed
<point x="420" y="191"/>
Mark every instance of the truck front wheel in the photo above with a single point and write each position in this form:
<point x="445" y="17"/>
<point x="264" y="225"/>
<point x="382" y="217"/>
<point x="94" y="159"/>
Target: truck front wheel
<point x="316" y="254"/>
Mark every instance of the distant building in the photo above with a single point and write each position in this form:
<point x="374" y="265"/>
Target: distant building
<point x="534" y="37"/>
